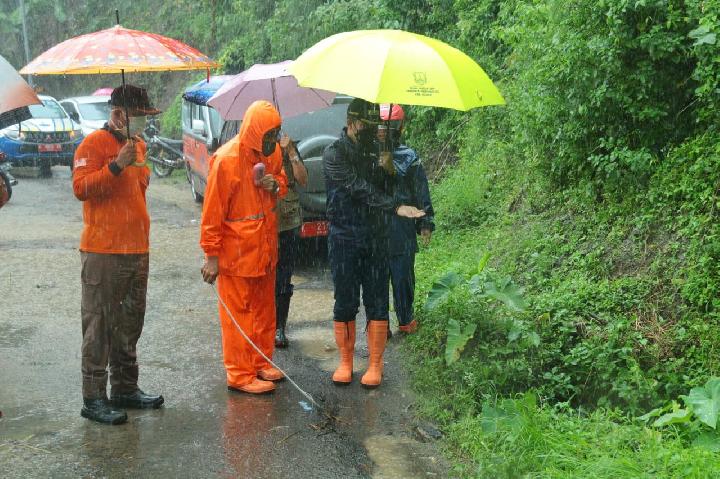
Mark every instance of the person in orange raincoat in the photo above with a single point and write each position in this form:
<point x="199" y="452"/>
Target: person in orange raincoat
<point x="239" y="237"/>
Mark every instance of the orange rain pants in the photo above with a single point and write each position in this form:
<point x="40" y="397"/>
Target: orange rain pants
<point x="252" y="303"/>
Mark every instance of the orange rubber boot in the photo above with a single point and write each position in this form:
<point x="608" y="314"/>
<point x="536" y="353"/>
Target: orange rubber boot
<point x="345" y="339"/>
<point x="271" y="374"/>
<point x="256" y="386"/>
<point x="409" y="328"/>
<point x="376" y="338"/>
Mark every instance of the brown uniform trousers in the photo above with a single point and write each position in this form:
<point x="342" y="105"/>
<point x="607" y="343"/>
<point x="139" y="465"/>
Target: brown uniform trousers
<point x="114" y="288"/>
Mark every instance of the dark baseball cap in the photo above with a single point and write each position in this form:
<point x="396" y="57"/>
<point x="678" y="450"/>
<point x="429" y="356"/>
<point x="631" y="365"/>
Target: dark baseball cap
<point x="359" y="109"/>
<point x="135" y="98"/>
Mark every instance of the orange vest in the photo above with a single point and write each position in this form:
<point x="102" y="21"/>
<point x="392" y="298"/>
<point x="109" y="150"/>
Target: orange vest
<point x="114" y="209"/>
<point x="239" y="222"/>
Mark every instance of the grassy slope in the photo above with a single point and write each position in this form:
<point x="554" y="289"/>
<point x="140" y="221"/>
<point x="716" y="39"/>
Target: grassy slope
<point x="610" y="287"/>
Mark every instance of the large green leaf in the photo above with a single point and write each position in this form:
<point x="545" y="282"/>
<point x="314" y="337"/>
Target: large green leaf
<point x="703" y="36"/>
<point x="705" y="402"/>
<point x="675" y="417"/>
<point x="709" y="440"/>
<point x="442" y="288"/>
<point x="654" y="413"/>
<point x="483" y="262"/>
<point x="457" y="338"/>
<point x="508" y="293"/>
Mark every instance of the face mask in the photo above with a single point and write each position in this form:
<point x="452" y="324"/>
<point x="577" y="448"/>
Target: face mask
<point x="367" y="135"/>
<point x="137" y="125"/>
<point x="268" y="147"/>
<point x="269" y="142"/>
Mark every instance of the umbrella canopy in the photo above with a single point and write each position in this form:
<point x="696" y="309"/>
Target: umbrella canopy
<point x="394" y="66"/>
<point x="117" y="50"/>
<point x="15" y="96"/>
<point x="270" y="82"/>
<point x="200" y="92"/>
<point x="103" y="91"/>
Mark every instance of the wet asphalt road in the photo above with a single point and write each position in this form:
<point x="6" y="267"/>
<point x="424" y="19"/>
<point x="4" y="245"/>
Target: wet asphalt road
<point x="203" y="430"/>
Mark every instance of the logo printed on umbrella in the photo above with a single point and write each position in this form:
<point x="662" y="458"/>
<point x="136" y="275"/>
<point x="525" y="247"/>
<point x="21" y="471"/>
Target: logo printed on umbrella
<point x="420" y="78"/>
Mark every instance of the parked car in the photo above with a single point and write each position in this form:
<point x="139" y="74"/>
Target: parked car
<point x="7" y="181"/>
<point x="312" y="132"/>
<point x="49" y="138"/>
<point x="90" y="112"/>
<point x="201" y="126"/>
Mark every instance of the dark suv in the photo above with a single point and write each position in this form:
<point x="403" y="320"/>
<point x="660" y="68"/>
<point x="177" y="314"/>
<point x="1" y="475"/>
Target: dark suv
<point x="312" y="132"/>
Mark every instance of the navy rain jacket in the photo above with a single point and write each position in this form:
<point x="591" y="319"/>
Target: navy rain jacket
<point x="359" y="194"/>
<point x="411" y="189"/>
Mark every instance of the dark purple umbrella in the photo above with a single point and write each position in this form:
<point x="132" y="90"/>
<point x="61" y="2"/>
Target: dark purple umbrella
<point x="272" y="83"/>
<point x="15" y="96"/>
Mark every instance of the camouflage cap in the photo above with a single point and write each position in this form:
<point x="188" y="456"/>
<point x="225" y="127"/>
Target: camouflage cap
<point x="359" y="109"/>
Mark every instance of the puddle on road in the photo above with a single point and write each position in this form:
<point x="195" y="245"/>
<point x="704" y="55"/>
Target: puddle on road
<point x="396" y="458"/>
<point x="319" y="343"/>
<point x="315" y="342"/>
<point x="12" y="336"/>
<point x="310" y="305"/>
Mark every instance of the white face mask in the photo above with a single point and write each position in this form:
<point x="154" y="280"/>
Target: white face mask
<point x="137" y="125"/>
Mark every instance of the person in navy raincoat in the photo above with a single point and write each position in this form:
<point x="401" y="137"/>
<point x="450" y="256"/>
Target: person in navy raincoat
<point x="411" y="188"/>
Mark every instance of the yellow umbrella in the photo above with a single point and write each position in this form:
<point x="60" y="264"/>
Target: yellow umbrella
<point x="394" y="66"/>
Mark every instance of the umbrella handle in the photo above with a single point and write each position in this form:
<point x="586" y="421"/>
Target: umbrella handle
<point x="388" y="131"/>
<point x="127" y="113"/>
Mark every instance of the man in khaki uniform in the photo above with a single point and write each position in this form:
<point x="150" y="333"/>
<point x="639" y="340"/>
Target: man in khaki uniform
<point x="110" y="178"/>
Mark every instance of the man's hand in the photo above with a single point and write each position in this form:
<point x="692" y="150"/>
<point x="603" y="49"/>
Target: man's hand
<point x="409" y="212"/>
<point x="127" y="155"/>
<point x="284" y="141"/>
<point x="386" y="162"/>
<point x="425" y="236"/>
<point x="268" y="183"/>
<point x="210" y="269"/>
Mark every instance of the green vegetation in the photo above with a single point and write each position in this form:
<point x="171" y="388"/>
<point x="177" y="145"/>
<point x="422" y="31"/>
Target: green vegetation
<point x="596" y="190"/>
<point x="576" y="266"/>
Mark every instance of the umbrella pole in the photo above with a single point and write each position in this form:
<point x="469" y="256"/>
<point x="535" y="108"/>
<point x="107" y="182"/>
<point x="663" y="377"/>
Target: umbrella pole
<point x="122" y="72"/>
<point x="388" y="131"/>
<point x="127" y="114"/>
<point x="274" y="95"/>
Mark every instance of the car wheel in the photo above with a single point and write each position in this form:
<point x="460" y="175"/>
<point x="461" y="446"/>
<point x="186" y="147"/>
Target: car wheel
<point x="8" y="186"/>
<point x="193" y="189"/>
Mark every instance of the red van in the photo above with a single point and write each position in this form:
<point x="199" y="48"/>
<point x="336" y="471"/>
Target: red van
<point x="201" y="127"/>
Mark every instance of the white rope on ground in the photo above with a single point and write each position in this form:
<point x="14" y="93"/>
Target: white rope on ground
<point x="308" y="396"/>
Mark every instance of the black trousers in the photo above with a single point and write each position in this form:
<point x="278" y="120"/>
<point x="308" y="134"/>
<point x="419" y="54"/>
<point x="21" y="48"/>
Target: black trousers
<point x="288" y="243"/>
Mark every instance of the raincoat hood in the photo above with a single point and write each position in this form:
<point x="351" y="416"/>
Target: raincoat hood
<point x="260" y="118"/>
<point x="403" y="159"/>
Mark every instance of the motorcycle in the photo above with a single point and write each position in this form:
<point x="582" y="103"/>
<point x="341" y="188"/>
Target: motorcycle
<point x="165" y="154"/>
<point x="5" y="175"/>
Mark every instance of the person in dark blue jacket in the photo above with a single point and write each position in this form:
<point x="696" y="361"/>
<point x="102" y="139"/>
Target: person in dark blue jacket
<point x="411" y="188"/>
<point x="360" y="203"/>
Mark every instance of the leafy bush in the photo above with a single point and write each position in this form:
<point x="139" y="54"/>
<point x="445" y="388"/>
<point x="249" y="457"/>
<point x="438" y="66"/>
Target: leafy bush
<point x="698" y="420"/>
<point x="513" y="438"/>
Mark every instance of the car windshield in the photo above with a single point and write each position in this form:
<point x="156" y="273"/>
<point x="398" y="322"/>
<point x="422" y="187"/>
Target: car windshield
<point x="94" y="111"/>
<point x="49" y="109"/>
<point x="215" y="122"/>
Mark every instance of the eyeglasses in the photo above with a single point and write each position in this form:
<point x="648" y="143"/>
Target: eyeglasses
<point x="273" y="135"/>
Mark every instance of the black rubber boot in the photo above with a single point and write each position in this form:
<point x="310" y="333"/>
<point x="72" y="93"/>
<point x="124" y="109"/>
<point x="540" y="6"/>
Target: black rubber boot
<point x="100" y="411"/>
<point x="137" y="400"/>
<point x="281" y="341"/>
<point x="282" y="309"/>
